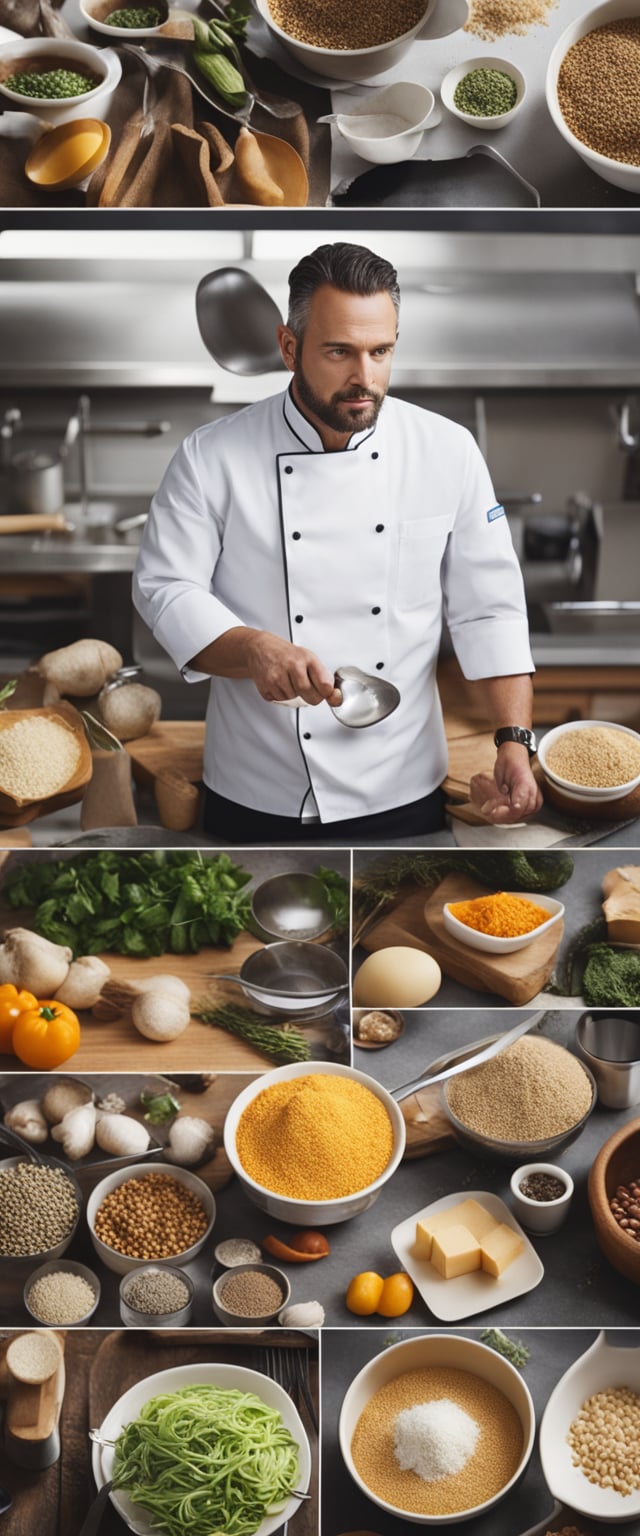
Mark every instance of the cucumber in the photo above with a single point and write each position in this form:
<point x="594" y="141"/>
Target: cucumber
<point x="222" y="75"/>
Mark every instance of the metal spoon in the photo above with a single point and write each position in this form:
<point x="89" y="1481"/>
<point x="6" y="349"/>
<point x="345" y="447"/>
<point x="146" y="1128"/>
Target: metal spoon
<point x="486" y="1054"/>
<point x="366" y="700"/>
<point x="238" y="322"/>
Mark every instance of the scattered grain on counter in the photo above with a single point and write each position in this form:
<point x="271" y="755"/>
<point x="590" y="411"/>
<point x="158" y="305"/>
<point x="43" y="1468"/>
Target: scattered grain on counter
<point x="251" y="1293"/>
<point x="605" y="1440"/>
<point x="492" y="1464"/>
<point x="534" y="1090"/>
<point x="599" y="90"/>
<point x="316" y="1137"/>
<point x="38" y="1209"/>
<point x="502" y="916"/>
<point x="38" y="756"/>
<point x="597" y="757"/>
<point x="332" y="24"/>
<point x="156" y="1293"/>
<point x="33" y="1357"/>
<point x="154" y="1217"/>
<point x="61" y="1298"/>
<point x="491" y="19"/>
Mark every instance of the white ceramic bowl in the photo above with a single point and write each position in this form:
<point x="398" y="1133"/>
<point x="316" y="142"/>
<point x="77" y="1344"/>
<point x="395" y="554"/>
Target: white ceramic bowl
<point x="364" y="63"/>
<point x="582" y="791"/>
<point x="102" y="62"/>
<point x="487" y="61"/>
<point x="120" y="1262"/>
<point x="413" y="104"/>
<point x="601" y="1367"/>
<point x="241" y="1319"/>
<point x="230" y="1378"/>
<point x="541" y="1216"/>
<point x="613" y="171"/>
<point x="447" y="1350"/>
<point x="311" y="1213"/>
<point x="492" y="945"/>
<point x="68" y="1267"/>
<point x="88" y="7"/>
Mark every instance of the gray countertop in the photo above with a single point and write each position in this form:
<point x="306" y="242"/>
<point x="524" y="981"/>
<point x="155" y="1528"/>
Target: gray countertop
<point x="582" y="898"/>
<point x="345" y="1508"/>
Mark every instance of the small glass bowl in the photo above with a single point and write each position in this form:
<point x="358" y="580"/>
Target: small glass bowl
<point x="133" y="1318"/>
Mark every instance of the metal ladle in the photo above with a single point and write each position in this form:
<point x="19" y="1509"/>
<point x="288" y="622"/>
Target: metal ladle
<point x="485" y="1054"/>
<point x="366" y="699"/>
<point x="238" y="322"/>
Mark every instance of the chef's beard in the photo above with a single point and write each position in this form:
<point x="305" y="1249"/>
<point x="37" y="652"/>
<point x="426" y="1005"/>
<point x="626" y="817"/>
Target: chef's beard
<point x="335" y="413"/>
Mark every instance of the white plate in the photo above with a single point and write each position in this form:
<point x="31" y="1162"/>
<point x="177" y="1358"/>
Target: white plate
<point x="451" y="1300"/>
<point x="6" y="35"/>
<point x="230" y="1377"/>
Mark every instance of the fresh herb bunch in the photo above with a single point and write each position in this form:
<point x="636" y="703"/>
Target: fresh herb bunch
<point x="159" y="1107"/>
<point x="148" y="904"/>
<point x="337" y="893"/>
<point x="511" y="869"/>
<point x="281" y="1043"/>
<point x="568" y="978"/>
<point x="512" y="1349"/>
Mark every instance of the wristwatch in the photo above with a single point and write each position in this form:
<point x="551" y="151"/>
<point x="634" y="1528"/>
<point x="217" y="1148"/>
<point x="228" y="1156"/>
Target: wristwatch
<point x="519" y="733"/>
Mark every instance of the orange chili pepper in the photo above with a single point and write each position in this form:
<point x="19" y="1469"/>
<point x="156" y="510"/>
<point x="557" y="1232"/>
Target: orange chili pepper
<point x="12" y="1004"/>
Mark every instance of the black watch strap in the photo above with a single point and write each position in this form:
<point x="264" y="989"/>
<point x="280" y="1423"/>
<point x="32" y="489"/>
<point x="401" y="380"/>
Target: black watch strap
<point x="519" y="733"/>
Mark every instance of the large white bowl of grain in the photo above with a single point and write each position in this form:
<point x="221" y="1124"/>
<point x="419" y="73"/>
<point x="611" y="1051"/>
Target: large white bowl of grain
<point x="591" y="760"/>
<point x="43" y="753"/>
<point x="359" y="39"/>
<point x="593" y="90"/>
<point x="317" y="1151"/>
<point x="437" y="1368"/>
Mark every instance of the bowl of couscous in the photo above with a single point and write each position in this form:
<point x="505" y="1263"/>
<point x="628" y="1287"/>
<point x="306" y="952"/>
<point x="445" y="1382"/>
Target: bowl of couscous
<point x="361" y="40"/>
<point x="591" y="760"/>
<point x="44" y="753"/>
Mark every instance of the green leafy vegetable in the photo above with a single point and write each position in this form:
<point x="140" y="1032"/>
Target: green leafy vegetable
<point x="204" y="1460"/>
<point x="144" y="904"/>
<point x="159" y="1107"/>
<point x="281" y="1043"/>
<point x="569" y="975"/>
<point x="611" y="977"/>
<point x="512" y="1349"/>
<point x="337" y="892"/>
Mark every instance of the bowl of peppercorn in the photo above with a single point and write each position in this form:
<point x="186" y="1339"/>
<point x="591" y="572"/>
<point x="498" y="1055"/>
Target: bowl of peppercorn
<point x="486" y="92"/>
<point x="614" y="1198"/>
<point x="58" y="79"/>
<point x="541" y="1196"/>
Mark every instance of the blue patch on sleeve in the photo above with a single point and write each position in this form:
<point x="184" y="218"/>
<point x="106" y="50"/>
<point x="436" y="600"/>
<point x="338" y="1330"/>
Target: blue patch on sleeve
<point x="494" y="512"/>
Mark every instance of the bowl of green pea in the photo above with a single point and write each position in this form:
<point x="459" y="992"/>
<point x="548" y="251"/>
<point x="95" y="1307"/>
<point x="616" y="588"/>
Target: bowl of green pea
<point x="486" y="92"/>
<point x="58" y="79"/>
<point x="126" y="19"/>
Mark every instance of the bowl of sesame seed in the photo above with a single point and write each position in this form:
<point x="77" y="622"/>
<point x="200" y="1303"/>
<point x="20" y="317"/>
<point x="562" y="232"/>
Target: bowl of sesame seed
<point x="593" y="90"/>
<point x="591" y="760"/>
<point x="360" y="40"/>
<point x="58" y="78"/>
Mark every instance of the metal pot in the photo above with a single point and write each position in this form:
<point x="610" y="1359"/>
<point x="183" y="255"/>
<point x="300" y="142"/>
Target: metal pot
<point x="36" y="481"/>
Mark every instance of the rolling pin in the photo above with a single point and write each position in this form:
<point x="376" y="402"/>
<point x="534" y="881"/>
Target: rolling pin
<point x="34" y="522"/>
<point x="31" y="1436"/>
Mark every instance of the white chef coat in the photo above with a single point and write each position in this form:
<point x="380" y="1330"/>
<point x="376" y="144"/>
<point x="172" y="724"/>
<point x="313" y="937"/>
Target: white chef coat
<point x="352" y="554"/>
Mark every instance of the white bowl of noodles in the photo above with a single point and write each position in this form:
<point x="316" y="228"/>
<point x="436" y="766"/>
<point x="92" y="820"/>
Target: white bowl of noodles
<point x="210" y="1374"/>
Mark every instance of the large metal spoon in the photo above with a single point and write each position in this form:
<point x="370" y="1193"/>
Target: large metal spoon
<point x="485" y="1054"/>
<point x="238" y="322"/>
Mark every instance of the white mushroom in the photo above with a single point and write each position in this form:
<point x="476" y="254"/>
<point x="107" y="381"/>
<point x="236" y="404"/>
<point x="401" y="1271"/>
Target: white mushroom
<point x="189" y="1140"/>
<point x="29" y="961"/>
<point x="160" y="1016"/>
<point x="83" y="982"/>
<point x="77" y="1131"/>
<point x="121" y="1135"/>
<point x="28" y="1120"/>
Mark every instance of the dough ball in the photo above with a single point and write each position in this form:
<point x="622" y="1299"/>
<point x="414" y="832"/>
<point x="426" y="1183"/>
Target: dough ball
<point x="398" y="977"/>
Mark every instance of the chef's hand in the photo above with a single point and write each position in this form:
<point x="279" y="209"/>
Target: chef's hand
<point x="282" y="671"/>
<point x="512" y="794"/>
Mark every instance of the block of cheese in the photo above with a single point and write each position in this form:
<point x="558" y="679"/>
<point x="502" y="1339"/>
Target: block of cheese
<point x="467" y="1214"/>
<point x="621" y="907"/>
<point x="500" y="1248"/>
<point x="455" y="1251"/>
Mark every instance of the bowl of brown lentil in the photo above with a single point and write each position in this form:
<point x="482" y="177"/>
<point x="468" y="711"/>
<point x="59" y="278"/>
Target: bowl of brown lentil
<point x="590" y="1434"/>
<point x="592" y="759"/>
<point x="138" y="1215"/>
<point x="313" y="1143"/>
<point x="494" y="1417"/>
<point x="360" y="40"/>
<point x="614" y="1198"/>
<point x="593" y="90"/>
<point x="250" y="1295"/>
<point x="62" y="1294"/>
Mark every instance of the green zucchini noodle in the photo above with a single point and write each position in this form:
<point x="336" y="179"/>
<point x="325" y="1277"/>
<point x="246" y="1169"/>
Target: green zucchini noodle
<point x="207" y="1461"/>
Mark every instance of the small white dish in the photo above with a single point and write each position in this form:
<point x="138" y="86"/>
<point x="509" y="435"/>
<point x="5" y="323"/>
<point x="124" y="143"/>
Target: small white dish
<point x="602" y="1367"/>
<point x="57" y="52"/>
<point x="584" y="791"/>
<point x="488" y="941"/>
<point x="387" y="126"/>
<point x="453" y="1300"/>
<point x="487" y="61"/>
<point x="89" y="7"/>
<point x="541" y="1216"/>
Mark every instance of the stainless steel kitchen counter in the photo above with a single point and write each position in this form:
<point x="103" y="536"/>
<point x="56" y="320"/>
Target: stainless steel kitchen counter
<point x="93" y="546"/>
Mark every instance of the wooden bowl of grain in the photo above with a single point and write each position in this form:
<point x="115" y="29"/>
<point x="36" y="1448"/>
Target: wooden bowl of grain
<point x="617" y="1163"/>
<point x="49" y="756"/>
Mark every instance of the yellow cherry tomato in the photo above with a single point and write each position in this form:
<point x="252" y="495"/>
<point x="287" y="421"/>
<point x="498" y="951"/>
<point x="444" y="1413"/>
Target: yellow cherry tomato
<point x="46" y="1035"/>
<point x="12" y="1004"/>
<point x="396" y="1296"/>
<point x="364" y="1293"/>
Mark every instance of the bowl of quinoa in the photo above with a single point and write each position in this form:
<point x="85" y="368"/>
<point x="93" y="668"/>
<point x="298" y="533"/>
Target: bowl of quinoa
<point x="359" y="40"/>
<point x="531" y="1100"/>
<point x="593" y="90"/>
<point x="591" y="759"/>
<point x="437" y="1429"/>
<point x="313" y="1143"/>
<point x="43" y="753"/>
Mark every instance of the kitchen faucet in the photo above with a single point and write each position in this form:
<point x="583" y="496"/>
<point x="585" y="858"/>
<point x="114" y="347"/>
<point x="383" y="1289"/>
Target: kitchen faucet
<point x="80" y="427"/>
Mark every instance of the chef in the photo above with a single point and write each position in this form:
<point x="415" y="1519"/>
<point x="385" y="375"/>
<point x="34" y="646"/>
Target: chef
<point x="327" y="526"/>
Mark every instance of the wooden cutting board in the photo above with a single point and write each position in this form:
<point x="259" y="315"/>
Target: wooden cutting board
<point x="176" y="744"/>
<point x="468" y="754"/>
<point x="517" y="977"/>
<point x="427" y="1124"/>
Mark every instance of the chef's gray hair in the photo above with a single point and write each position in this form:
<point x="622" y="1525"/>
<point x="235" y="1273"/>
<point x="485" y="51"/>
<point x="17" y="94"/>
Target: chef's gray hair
<point x="350" y="268"/>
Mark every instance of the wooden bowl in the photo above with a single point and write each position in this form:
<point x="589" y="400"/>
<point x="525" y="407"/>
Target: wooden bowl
<point x="618" y="1162"/>
<point x="11" y="806"/>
